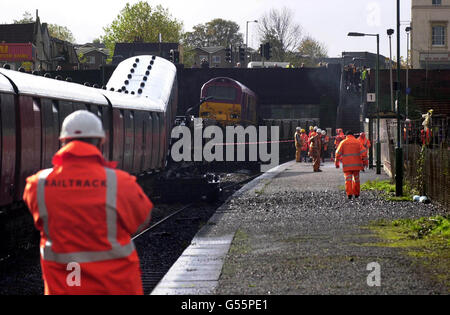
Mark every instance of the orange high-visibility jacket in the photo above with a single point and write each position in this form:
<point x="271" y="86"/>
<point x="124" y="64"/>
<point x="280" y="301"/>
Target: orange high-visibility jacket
<point x="305" y="142"/>
<point x="352" y="154"/>
<point x="86" y="212"/>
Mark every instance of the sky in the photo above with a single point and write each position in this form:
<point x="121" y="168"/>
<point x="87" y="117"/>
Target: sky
<point x="328" y="21"/>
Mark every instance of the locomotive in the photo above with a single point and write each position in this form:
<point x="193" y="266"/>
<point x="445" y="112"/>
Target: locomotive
<point x="229" y="103"/>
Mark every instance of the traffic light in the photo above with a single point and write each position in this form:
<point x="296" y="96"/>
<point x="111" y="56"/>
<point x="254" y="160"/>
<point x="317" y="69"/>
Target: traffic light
<point x="228" y="56"/>
<point x="261" y="50"/>
<point x="241" y="54"/>
<point x="267" y="51"/>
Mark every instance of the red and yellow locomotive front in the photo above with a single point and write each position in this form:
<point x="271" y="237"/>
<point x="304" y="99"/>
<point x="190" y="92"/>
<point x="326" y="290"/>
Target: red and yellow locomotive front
<point x="226" y="104"/>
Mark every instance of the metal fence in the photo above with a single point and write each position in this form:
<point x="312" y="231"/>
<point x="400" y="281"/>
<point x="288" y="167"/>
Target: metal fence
<point x="426" y="157"/>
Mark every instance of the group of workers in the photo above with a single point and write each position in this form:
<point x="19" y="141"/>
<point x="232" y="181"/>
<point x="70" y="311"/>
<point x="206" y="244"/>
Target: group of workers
<point x="352" y="152"/>
<point x="87" y="211"/>
<point x="314" y="144"/>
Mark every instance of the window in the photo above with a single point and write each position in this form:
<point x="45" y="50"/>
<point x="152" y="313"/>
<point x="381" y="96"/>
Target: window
<point x="436" y="2"/>
<point x="215" y="59"/>
<point x="438" y="35"/>
<point x="222" y="93"/>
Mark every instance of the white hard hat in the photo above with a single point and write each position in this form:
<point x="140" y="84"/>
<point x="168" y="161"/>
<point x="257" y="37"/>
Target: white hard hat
<point x="298" y="128"/>
<point x="82" y="124"/>
<point x="315" y="128"/>
<point x="319" y="130"/>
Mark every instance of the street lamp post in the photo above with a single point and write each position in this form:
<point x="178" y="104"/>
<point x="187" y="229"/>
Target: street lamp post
<point x="377" y="87"/>
<point x="407" y="122"/>
<point x="398" y="149"/>
<point x="246" y="38"/>
<point x="390" y="32"/>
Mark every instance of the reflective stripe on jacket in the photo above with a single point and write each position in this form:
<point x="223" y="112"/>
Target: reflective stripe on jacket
<point x="86" y="213"/>
<point x="352" y="154"/>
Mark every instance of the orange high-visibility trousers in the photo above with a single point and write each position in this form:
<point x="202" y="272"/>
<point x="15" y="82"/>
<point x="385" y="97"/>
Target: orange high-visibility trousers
<point x="352" y="183"/>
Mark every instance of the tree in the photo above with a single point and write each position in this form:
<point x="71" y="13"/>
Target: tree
<point x="54" y="30"/>
<point x="60" y="32"/>
<point x="217" y="32"/>
<point x="311" y="50"/>
<point x="144" y="23"/>
<point x="26" y="18"/>
<point x="279" y="28"/>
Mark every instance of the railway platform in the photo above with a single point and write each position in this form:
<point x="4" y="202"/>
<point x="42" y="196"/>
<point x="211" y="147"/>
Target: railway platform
<point x="292" y="231"/>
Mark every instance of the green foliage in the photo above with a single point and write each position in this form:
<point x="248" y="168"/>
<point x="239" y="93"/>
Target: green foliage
<point x="420" y="167"/>
<point x="217" y="32"/>
<point x="60" y="32"/>
<point x="142" y="22"/>
<point x="426" y="240"/>
<point x="313" y="49"/>
<point x="26" y="18"/>
<point x="425" y="227"/>
<point x="387" y="188"/>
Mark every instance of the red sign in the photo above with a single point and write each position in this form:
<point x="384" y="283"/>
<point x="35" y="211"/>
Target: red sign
<point x="17" y="52"/>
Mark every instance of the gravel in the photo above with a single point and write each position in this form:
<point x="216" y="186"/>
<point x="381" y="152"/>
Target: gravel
<point x="299" y="234"/>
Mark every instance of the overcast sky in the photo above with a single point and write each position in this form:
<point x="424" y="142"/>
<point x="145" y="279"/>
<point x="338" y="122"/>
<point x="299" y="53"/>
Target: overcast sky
<point x="328" y="21"/>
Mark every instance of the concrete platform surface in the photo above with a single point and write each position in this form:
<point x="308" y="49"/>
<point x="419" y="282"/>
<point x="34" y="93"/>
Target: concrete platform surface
<point x="293" y="231"/>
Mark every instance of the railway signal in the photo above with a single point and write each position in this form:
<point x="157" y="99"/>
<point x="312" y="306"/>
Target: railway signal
<point x="228" y="55"/>
<point x="267" y="51"/>
<point x="174" y="56"/>
<point x="241" y="54"/>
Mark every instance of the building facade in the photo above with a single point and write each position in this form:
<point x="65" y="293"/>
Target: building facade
<point x="31" y="47"/>
<point x="430" y="34"/>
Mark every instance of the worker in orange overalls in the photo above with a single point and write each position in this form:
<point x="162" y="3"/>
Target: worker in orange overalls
<point x="314" y="150"/>
<point x="86" y="212"/>
<point x="354" y="158"/>
<point x="304" y="152"/>
<point x="365" y="142"/>
<point x="298" y="144"/>
<point x="337" y="140"/>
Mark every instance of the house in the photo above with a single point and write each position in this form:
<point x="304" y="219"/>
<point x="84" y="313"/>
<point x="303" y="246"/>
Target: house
<point x="92" y="55"/>
<point x="430" y="34"/>
<point x="124" y="51"/>
<point x="214" y="55"/>
<point x="31" y="47"/>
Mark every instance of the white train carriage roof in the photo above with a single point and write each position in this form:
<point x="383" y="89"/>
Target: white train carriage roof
<point x="148" y="78"/>
<point x="132" y="102"/>
<point x="5" y="85"/>
<point x="32" y="85"/>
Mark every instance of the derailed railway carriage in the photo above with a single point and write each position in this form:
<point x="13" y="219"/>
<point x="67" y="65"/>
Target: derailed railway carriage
<point x="137" y="109"/>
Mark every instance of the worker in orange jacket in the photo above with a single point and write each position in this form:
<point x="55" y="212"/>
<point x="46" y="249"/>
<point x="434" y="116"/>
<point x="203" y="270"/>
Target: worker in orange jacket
<point x="304" y="150"/>
<point x="337" y="140"/>
<point x="315" y="146"/>
<point x="298" y="144"/>
<point x="86" y="213"/>
<point x="354" y="158"/>
<point x="365" y="142"/>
